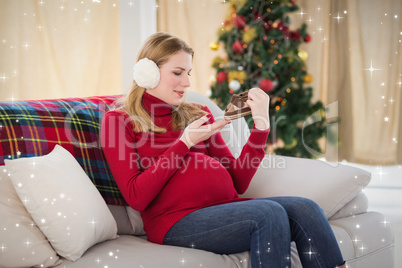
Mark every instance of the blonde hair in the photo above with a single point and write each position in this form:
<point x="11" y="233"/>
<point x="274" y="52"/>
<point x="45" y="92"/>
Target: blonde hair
<point x="159" y="47"/>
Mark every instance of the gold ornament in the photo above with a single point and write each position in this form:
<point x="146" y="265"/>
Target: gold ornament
<point x="242" y="75"/>
<point x="219" y="59"/>
<point x="303" y="55"/>
<point x="308" y="78"/>
<point x="290" y="56"/>
<point x="292" y="145"/>
<point x="249" y="35"/>
<point x="213" y="46"/>
<point x="218" y="62"/>
<point x="229" y="27"/>
<point x="322" y="113"/>
<point x="238" y="75"/>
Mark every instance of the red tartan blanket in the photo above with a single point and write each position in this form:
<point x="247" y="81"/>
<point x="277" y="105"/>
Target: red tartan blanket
<point x="33" y="128"/>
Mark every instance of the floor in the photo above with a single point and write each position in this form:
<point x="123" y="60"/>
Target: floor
<point x="385" y="195"/>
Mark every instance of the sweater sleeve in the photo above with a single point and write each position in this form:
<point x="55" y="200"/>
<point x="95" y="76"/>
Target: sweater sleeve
<point x="138" y="187"/>
<point x="244" y="167"/>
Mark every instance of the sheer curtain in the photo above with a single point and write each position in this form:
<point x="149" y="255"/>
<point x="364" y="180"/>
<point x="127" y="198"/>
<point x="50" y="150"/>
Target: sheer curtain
<point x="354" y="57"/>
<point x="52" y="49"/>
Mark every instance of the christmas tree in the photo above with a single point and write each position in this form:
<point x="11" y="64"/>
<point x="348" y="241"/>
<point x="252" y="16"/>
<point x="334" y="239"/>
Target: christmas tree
<point x="262" y="51"/>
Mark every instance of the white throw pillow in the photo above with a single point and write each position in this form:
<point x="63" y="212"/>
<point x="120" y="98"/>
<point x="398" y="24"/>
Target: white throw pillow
<point x="22" y="244"/>
<point x="330" y="185"/>
<point x="63" y="201"/>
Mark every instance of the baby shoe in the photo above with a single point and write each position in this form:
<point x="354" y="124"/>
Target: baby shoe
<point x="237" y="107"/>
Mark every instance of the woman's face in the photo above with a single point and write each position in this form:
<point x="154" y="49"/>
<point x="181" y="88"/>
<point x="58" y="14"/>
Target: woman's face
<point x="174" y="79"/>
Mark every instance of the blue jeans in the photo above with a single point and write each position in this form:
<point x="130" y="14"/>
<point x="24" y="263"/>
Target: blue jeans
<point x="264" y="226"/>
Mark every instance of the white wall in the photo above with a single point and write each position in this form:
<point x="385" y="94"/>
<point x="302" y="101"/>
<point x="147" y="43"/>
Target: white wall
<point x="137" y="22"/>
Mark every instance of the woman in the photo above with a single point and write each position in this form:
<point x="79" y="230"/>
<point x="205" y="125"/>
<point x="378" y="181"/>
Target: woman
<point x="171" y="164"/>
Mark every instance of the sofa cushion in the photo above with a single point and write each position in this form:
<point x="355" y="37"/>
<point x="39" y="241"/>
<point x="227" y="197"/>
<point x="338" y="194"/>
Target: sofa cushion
<point x="331" y="187"/>
<point x="33" y="128"/>
<point x="122" y="220"/>
<point x="371" y="242"/>
<point x="136" y="221"/>
<point x="62" y="201"/>
<point x="133" y="251"/>
<point x="22" y="244"/>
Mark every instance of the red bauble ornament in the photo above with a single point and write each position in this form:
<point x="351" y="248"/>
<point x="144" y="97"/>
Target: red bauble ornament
<point x="222" y="77"/>
<point x="257" y="15"/>
<point x="266" y="85"/>
<point x="285" y="31"/>
<point x="267" y="26"/>
<point x="239" y="22"/>
<point x="307" y="38"/>
<point x="295" y="36"/>
<point x="282" y="27"/>
<point x="238" y="47"/>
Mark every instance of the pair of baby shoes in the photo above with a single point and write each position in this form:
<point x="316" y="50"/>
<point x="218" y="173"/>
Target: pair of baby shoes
<point x="237" y="107"/>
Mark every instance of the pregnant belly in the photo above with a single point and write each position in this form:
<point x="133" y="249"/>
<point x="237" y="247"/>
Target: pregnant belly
<point x="200" y="181"/>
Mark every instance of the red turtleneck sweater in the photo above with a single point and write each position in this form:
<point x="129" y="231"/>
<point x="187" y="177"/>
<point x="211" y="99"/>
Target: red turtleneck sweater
<point x="163" y="179"/>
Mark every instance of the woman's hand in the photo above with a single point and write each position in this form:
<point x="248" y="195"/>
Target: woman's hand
<point x="258" y="101"/>
<point x="196" y="132"/>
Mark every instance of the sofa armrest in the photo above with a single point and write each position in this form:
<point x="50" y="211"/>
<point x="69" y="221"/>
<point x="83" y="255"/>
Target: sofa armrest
<point x="357" y="205"/>
<point x="330" y="185"/>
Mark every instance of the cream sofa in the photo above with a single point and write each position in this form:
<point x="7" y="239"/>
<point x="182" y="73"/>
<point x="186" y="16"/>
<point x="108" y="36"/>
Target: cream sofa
<point x="28" y="238"/>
